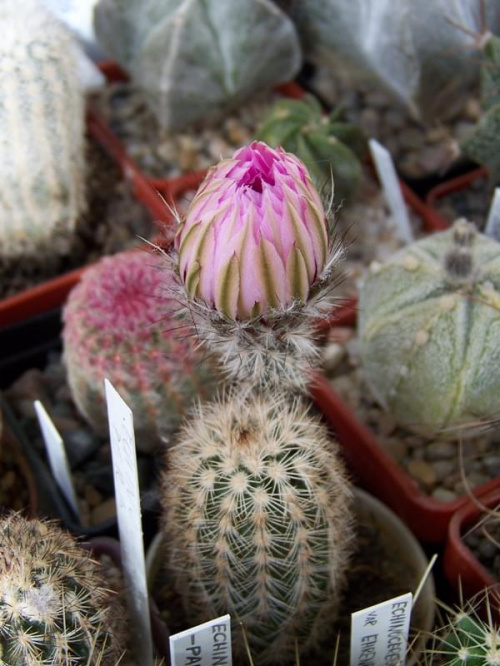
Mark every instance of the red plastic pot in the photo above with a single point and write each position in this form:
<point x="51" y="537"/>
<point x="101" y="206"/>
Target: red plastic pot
<point x="377" y="472"/>
<point x="461" y="566"/>
<point x="453" y="185"/>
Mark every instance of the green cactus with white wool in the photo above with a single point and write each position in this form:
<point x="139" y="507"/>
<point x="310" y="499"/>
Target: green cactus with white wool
<point x="429" y="326"/>
<point x="42" y="187"/>
<point x="195" y="60"/>
<point x="119" y="325"/>
<point x="257" y="520"/>
<point x="328" y="146"/>
<point x="55" y="608"/>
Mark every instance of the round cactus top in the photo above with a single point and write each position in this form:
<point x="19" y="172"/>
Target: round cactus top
<point x="124" y="296"/>
<point x="255" y="236"/>
<point x="429" y="326"/>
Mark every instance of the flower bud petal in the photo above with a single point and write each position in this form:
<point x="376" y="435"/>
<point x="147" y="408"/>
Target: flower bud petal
<point x="255" y="235"/>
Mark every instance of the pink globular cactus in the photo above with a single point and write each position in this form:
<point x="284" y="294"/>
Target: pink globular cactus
<point x="119" y="325"/>
<point x="256" y="258"/>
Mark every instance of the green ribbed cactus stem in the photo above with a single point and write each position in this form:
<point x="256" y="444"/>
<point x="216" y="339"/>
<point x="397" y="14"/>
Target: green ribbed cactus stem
<point x="429" y="322"/>
<point x="120" y="324"/>
<point x="41" y="133"/>
<point x="55" y="608"/>
<point x="327" y="146"/>
<point x="196" y="60"/>
<point x="469" y="639"/>
<point x="257" y="520"/>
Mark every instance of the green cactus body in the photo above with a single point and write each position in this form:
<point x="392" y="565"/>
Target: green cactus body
<point x="327" y="146"/>
<point x="481" y="144"/>
<point x="54" y="605"/>
<point x="257" y="521"/>
<point x="119" y="325"/>
<point x="195" y="60"/>
<point x="429" y="324"/>
<point x="469" y="638"/>
<point x="41" y="133"/>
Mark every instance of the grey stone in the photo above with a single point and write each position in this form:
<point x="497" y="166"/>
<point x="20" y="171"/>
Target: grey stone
<point x="80" y="444"/>
<point x="441" y="450"/>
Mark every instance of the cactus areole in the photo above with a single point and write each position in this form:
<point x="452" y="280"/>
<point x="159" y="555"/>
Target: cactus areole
<point x="255" y="236"/>
<point x="430" y="330"/>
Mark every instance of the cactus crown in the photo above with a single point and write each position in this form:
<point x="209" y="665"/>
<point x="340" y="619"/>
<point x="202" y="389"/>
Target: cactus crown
<point x="459" y="261"/>
<point x="326" y="145"/>
<point x="54" y="607"/>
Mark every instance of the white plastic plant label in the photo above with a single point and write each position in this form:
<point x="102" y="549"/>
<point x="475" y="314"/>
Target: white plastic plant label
<point x="58" y="459"/>
<point x="128" y="507"/>
<point x="379" y="634"/>
<point x="388" y="178"/>
<point x="207" y="644"/>
<point x="492" y="228"/>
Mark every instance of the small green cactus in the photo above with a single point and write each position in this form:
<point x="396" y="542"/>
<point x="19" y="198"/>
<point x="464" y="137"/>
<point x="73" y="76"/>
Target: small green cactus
<point x="429" y="323"/>
<point x="468" y="639"/>
<point x="55" y="608"/>
<point x="327" y="146"/>
<point x="257" y="520"/>
<point x="120" y="326"/>
<point x="41" y="133"/>
<point x="482" y="144"/>
<point x="196" y="59"/>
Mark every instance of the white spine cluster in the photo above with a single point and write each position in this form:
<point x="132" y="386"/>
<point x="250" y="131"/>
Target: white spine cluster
<point x="41" y="132"/>
<point x="257" y="520"/>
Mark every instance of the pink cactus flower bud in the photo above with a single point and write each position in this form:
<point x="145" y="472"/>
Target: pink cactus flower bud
<point x="255" y="236"/>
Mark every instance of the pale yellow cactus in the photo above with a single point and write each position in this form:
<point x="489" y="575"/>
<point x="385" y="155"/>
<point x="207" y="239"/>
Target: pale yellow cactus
<point x="41" y="132"/>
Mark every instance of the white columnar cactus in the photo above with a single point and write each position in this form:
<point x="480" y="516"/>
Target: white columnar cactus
<point x="258" y="521"/>
<point x="195" y="59"/>
<point x="41" y="132"/>
<point x="429" y="323"/>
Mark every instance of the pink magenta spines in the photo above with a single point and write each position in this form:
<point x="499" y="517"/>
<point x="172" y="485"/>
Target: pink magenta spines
<point x="120" y="323"/>
<point x="255" y="236"/>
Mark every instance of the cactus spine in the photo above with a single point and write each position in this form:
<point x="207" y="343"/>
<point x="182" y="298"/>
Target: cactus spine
<point x="118" y="325"/>
<point x="54" y="606"/>
<point x="41" y="132"/>
<point x="468" y="639"/>
<point x="257" y="520"/>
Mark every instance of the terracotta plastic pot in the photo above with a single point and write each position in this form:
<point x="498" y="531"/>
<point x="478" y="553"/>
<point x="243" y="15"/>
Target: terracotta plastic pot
<point x="427" y="517"/>
<point x="461" y="566"/>
<point x="393" y="534"/>
<point x="111" y="547"/>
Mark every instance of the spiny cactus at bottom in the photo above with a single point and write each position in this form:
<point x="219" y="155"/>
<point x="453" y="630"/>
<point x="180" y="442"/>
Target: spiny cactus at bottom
<point x="120" y="324"/>
<point x="327" y="146"/>
<point x="54" y="605"/>
<point x="468" y="639"/>
<point x="257" y="521"/>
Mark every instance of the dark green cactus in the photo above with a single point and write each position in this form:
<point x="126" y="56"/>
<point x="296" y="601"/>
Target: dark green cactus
<point x="482" y="144"/>
<point x="327" y="145"/>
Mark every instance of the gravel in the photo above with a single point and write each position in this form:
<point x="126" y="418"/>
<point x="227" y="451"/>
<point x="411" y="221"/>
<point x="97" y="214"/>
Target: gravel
<point x="432" y="462"/>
